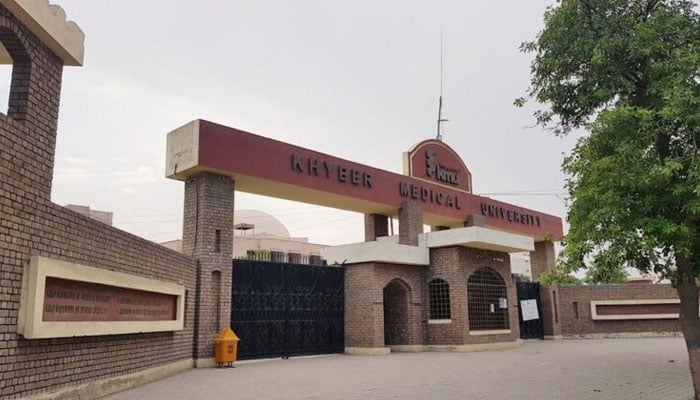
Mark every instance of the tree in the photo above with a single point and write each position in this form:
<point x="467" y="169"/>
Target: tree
<point x="628" y="72"/>
<point x="558" y="277"/>
<point x="596" y="275"/>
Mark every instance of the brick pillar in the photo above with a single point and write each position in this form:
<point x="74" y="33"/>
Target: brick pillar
<point x="376" y="225"/>
<point x="364" y="311"/>
<point x="33" y="106"/>
<point x="474" y="220"/>
<point x="542" y="259"/>
<point x="410" y="223"/>
<point x="551" y="319"/>
<point x="208" y="238"/>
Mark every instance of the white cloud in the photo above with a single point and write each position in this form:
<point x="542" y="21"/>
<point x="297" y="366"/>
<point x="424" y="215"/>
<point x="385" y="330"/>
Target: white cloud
<point x="136" y="176"/>
<point x="74" y="169"/>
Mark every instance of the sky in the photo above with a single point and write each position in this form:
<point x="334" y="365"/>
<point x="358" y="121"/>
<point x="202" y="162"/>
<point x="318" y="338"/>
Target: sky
<point x="358" y="80"/>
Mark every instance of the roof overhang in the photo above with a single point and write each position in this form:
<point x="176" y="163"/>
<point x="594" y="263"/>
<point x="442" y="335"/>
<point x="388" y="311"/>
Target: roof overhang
<point x="377" y="252"/>
<point x="479" y="238"/>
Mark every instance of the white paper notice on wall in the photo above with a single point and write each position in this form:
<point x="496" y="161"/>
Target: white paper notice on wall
<point x="529" y="309"/>
<point x="492" y="308"/>
<point x="502" y="303"/>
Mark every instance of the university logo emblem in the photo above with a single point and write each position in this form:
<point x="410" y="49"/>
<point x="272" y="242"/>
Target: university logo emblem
<point x="433" y="160"/>
<point x="438" y="171"/>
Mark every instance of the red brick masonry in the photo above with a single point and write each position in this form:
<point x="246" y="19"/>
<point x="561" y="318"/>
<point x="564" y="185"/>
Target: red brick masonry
<point x="576" y="318"/>
<point x="31" y="225"/>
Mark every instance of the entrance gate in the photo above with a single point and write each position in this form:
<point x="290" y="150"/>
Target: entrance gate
<point x="282" y="310"/>
<point x="532" y="327"/>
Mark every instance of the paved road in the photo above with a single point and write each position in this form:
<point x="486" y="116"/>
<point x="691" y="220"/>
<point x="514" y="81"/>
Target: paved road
<point x="620" y="369"/>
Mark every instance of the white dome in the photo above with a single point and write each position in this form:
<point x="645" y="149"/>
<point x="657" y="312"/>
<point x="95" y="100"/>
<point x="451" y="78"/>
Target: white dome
<point x="262" y="224"/>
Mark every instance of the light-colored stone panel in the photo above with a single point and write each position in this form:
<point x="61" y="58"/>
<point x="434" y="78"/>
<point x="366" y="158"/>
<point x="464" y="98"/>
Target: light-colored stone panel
<point x="381" y="252"/>
<point x="466" y="348"/>
<point x="490" y="332"/>
<point x="553" y="337"/>
<point x="182" y="152"/>
<point x="439" y="321"/>
<point x="625" y="335"/>
<point x="407" y="348"/>
<point x="205" y="363"/>
<point x="32" y="326"/>
<point x="48" y="22"/>
<point x="367" y="351"/>
<point x="479" y="238"/>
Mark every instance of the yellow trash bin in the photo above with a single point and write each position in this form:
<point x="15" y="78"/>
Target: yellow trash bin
<point x="226" y="348"/>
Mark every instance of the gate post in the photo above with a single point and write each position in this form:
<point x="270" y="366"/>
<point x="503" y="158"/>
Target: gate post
<point x="376" y="225"/>
<point x="542" y="259"/>
<point x="410" y="223"/>
<point x="551" y="322"/>
<point x="208" y="238"/>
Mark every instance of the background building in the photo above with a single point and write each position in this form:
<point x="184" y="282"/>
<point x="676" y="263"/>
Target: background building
<point x="261" y="236"/>
<point x="102" y="216"/>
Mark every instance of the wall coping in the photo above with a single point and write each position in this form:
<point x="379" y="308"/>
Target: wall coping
<point x="48" y="22"/>
<point x="478" y="237"/>
<point x="380" y="252"/>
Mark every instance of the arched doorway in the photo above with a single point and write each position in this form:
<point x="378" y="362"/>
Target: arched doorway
<point x="488" y="304"/>
<point x="396" y="300"/>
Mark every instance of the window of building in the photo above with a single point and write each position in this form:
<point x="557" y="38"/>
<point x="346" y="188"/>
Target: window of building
<point x="488" y="304"/>
<point x="439" y="292"/>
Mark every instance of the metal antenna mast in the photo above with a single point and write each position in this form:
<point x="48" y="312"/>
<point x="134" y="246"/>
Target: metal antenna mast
<point x="440" y="120"/>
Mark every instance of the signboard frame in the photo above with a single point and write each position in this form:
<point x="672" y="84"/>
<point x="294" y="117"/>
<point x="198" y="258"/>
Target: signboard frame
<point x="31" y="324"/>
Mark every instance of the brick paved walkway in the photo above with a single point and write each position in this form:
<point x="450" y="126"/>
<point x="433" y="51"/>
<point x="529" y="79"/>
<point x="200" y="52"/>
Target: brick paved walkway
<point x="620" y="369"/>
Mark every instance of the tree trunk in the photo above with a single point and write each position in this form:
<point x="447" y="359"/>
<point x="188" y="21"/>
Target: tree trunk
<point x="690" y="322"/>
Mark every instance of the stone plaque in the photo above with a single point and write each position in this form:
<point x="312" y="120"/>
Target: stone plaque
<point x="69" y="300"/>
<point x="64" y="299"/>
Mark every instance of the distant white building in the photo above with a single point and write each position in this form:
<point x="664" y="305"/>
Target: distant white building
<point x="520" y="264"/>
<point x="262" y="236"/>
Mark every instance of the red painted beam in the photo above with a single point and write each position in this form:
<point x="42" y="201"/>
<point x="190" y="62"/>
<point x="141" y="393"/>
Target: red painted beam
<point x="273" y="168"/>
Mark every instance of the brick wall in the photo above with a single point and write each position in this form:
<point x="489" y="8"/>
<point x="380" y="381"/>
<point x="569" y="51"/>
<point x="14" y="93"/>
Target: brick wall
<point x="31" y="225"/>
<point x="376" y="225"/>
<point x="364" y="302"/>
<point x="410" y="223"/>
<point x="363" y="307"/>
<point x="446" y="264"/>
<point x="455" y="265"/>
<point x="550" y="297"/>
<point x="409" y="277"/>
<point x="575" y="309"/>
<point x="367" y="299"/>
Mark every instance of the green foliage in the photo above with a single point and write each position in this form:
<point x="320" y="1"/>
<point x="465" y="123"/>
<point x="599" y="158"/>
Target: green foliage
<point x="597" y="275"/>
<point x="258" y="255"/>
<point x="558" y="277"/>
<point x="629" y="73"/>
